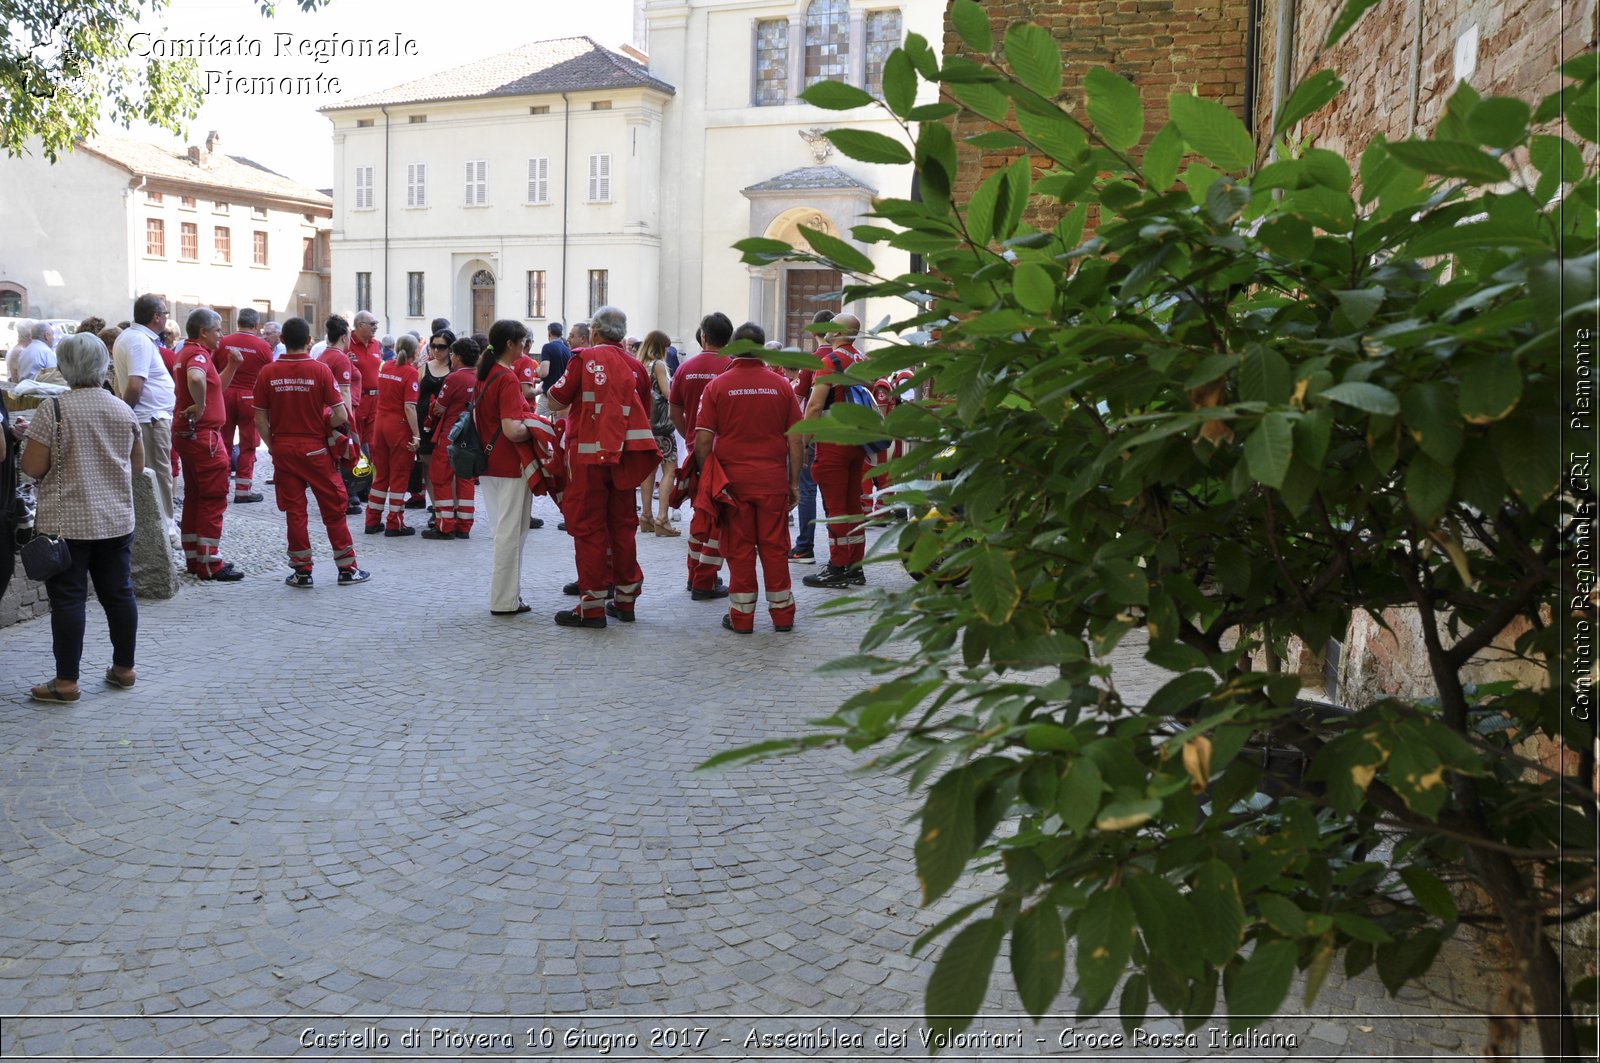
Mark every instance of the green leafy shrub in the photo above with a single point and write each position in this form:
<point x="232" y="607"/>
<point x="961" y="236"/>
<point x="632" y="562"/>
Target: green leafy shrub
<point x="1251" y="402"/>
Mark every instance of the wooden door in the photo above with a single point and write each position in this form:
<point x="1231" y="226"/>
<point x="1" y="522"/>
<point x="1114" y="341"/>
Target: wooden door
<point x="482" y="301"/>
<point x="803" y="289"/>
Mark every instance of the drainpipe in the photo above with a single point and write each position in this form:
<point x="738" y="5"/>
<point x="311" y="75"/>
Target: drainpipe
<point x="133" y="189"/>
<point x="1416" y="68"/>
<point x="387" y="181"/>
<point x="566" y="199"/>
<point x="1252" y="64"/>
<point x="1283" y="66"/>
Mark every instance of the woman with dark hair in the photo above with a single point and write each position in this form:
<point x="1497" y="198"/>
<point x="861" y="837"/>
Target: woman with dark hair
<point x="500" y="416"/>
<point x="430" y="382"/>
<point x="396" y="436"/>
<point x="454" y="499"/>
<point x="653" y="356"/>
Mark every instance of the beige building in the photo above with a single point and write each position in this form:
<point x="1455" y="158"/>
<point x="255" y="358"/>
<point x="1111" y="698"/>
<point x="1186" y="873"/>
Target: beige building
<point x="200" y="227"/>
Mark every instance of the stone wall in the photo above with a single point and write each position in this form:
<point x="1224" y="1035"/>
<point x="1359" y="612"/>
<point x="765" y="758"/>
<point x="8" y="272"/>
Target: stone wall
<point x="23" y="600"/>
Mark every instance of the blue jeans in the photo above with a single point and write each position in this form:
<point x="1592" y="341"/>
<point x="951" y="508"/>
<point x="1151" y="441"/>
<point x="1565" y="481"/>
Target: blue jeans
<point x="109" y="562"/>
<point x="805" y="535"/>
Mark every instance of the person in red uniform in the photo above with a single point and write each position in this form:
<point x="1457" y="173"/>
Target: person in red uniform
<point x="526" y="369"/>
<point x="394" y="443"/>
<point x="331" y="353"/>
<point x="454" y="499"/>
<point x="610" y="450"/>
<point x="198" y="438"/>
<point x="366" y="358"/>
<point x="705" y="552"/>
<point x="744" y="418"/>
<point x="296" y="402"/>
<point x="838" y="470"/>
<point x="239" y="424"/>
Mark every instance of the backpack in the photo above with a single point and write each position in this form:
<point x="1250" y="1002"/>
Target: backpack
<point x="855" y="395"/>
<point x="469" y="455"/>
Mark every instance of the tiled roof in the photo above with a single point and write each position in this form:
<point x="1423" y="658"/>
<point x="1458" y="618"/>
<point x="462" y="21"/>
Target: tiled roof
<point x="810" y="179"/>
<point x="220" y="172"/>
<point x="567" y="64"/>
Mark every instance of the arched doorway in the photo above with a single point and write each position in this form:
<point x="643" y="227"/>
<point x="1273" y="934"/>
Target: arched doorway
<point x="805" y="289"/>
<point x="482" y="300"/>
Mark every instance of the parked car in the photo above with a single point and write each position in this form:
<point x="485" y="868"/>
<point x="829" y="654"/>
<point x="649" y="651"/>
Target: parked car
<point x="8" y="329"/>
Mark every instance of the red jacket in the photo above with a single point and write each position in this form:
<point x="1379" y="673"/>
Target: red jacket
<point x="609" y="422"/>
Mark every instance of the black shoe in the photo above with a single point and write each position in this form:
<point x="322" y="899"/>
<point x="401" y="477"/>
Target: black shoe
<point x="250" y="497"/>
<point x="435" y="533"/>
<point x="371" y="529"/>
<point x="801" y="555"/>
<point x="349" y="577"/>
<point x="404" y="529"/>
<point x="353" y="508"/>
<point x="782" y="627"/>
<point x="727" y="625"/>
<point x="535" y="522"/>
<point x="462" y="535"/>
<point x="572" y="618"/>
<point x="418" y="502"/>
<point x="720" y="590"/>
<point x="858" y="576"/>
<point x="830" y="576"/>
<point x="522" y="607"/>
<point x="572" y="590"/>
<point x="616" y="613"/>
<point x="298" y="579"/>
<point x="561" y="526"/>
<point x="226" y="574"/>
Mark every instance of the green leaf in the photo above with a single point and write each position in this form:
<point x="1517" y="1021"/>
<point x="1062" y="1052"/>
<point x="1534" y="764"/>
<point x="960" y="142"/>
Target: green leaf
<point x="835" y="250"/>
<point x="1127" y="814"/>
<point x="1264" y="376"/>
<point x="1180" y="693"/>
<point x="961" y="977"/>
<point x="1135" y="1002"/>
<point x="1214" y="131"/>
<point x="1123" y="581"/>
<point x="1433" y="895"/>
<point x="899" y="83"/>
<point x="1434" y="422"/>
<point x="1260" y="984"/>
<point x="997" y="140"/>
<point x="1282" y="914"/>
<point x="1360" y="929"/>
<point x="1221" y="926"/>
<point x="1035" y="58"/>
<point x="1492" y="232"/>
<point x="972" y="23"/>
<point x="948" y="833"/>
<point x="1328" y="210"/>
<point x="1270" y="448"/>
<point x="864" y="145"/>
<point x="1038" y="957"/>
<point x="1057" y="135"/>
<point x="1352" y="10"/>
<point x="983" y="99"/>
<point x="1556" y="155"/>
<point x="995" y="593"/>
<point x="1288" y="237"/>
<point x="1358" y="305"/>
<point x="1114" y="108"/>
<point x="1078" y="795"/>
<point x="1428" y="488"/>
<point x="760" y="245"/>
<point x="1491" y="387"/>
<point x="836" y="96"/>
<point x="1529" y="457"/>
<point x="1500" y="121"/>
<point x="1363" y="396"/>
<point x="1105" y="942"/>
<point x="1308" y="97"/>
<point x="1034" y="288"/>
<point x="1162" y="157"/>
<point x="1166" y="918"/>
<point x="1448" y="158"/>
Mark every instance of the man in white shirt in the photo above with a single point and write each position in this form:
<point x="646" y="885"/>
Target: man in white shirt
<point x="272" y="332"/>
<point x="145" y="384"/>
<point x="39" y="354"/>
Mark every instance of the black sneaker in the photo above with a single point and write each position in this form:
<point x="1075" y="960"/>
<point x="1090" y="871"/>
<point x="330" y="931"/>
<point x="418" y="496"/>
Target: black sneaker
<point x="858" y="576"/>
<point x="404" y="529"/>
<point x="353" y="508"/>
<point x="562" y="526"/>
<point x="572" y="618"/>
<point x="298" y="579"/>
<point x="535" y="522"/>
<point x="371" y="529"/>
<point x="417" y="502"/>
<point x="719" y="590"/>
<point x="727" y="625"/>
<point x="615" y="612"/>
<point x="572" y="590"/>
<point x="830" y="576"/>
<point x="226" y="574"/>
<point x="251" y="496"/>
<point x="462" y="534"/>
<point x="349" y="577"/>
<point x="435" y="533"/>
<point x="802" y="556"/>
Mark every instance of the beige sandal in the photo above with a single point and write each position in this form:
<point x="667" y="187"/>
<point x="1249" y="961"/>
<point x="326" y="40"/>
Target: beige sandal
<point x="666" y="531"/>
<point x="647" y="525"/>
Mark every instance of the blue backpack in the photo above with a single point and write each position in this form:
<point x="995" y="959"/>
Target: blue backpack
<point x="855" y="395"/>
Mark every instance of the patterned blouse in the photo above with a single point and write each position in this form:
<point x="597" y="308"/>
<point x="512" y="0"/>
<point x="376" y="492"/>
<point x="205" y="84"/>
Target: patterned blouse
<point x="87" y="493"/>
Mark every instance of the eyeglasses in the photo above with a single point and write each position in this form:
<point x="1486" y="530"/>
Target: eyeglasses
<point x="438" y="346"/>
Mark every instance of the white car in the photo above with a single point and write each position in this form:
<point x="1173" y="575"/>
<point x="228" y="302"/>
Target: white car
<point x="8" y="329"/>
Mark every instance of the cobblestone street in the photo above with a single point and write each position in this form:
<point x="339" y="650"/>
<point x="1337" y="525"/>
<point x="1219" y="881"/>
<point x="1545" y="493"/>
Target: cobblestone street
<point x="324" y="819"/>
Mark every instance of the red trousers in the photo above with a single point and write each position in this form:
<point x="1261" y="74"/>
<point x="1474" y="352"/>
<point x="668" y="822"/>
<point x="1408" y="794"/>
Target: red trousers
<point x="838" y="469"/>
<point x="603" y="524"/>
<point x="205" y="498"/>
<point x="758" y="527"/>
<point x="454" y="499"/>
<point x="705" y="551"/>
<point x="239" y="411"/>
<point x="303" y="463"/>
<point x="367" y="417"/>
<point x="391" y="472"/>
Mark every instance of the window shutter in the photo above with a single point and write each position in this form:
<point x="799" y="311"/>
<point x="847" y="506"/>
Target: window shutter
<point x="483" y="182"/>
<point x="600" y="178"/>
<point x="471" y="170"/>
<point x="539" y="180"/>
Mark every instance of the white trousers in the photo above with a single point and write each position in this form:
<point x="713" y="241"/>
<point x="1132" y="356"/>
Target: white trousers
<point x="507" y="500"/>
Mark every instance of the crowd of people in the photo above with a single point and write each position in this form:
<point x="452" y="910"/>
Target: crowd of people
<point x="364" y="426"/>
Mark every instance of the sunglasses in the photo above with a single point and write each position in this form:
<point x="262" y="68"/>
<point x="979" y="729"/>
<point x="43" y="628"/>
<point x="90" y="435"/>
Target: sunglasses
<point x="438" y="346"/>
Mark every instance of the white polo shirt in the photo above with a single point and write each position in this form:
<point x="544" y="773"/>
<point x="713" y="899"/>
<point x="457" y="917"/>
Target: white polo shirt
<point x="136" y="354"/>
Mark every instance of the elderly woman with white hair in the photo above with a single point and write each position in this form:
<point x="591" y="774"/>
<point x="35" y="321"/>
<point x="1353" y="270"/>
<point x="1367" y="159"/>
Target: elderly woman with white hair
<point x="84" y="448"/>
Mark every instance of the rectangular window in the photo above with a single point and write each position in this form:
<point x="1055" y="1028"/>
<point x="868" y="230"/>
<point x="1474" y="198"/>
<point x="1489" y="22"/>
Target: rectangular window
<point x="186" y="202"/>
<point x="600" y="105"/>
<point x="772" y="62"/>
<point x="416" y="184"/>
<point x="308" y="311"/>
<point x="189" y="242"/>
<point x="539" y="180"/>
<point x="363" y="291"/>
<point x="364" y="123"/>
<point x="308" y="254"/>
<point x="536" y="293"/>
<point x="827" y="41"/>
<point x="883" y="37"/>
<point x="258" y="248"/>
<point x="222" y="243"/>
<point x="363" y="188"/>
<point x="155" y="237"/>
<point x="600" y="179"/>
<point x="416" y="119"/>
<point x="599" y="289"/>
<point x="219" y="206"/>
<point x="154" y="197"/>
<point x="539" y="108"/>
<point x="258" y="213"/>
<point x="414" y="294"/>
<point x="477" y="182"/>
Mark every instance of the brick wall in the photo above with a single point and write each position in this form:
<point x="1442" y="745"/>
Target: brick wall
<point x="23" y="600"/>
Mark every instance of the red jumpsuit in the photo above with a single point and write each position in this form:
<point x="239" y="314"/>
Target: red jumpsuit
<point x="705" y="549"/>
<point x="749" y="410"/>
<point x="238" y="403"/>
<point x="389" y="446"/>
<point x="838" y="470"/>
<point x="205" y="463"/>
<point x="610" y="450"/>
<point x="454" y="499"/>
<point x="367" y="363"/>
<point x="295" y="393"/>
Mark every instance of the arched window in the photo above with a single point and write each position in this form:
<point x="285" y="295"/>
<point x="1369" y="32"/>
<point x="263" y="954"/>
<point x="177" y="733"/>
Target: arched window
<point x="827" y="41"/>
<point x="13" y="299"/>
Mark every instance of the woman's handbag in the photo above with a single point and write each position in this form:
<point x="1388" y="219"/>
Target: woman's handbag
<point x="44" y="556"/>
<point x="660" y="413"/>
